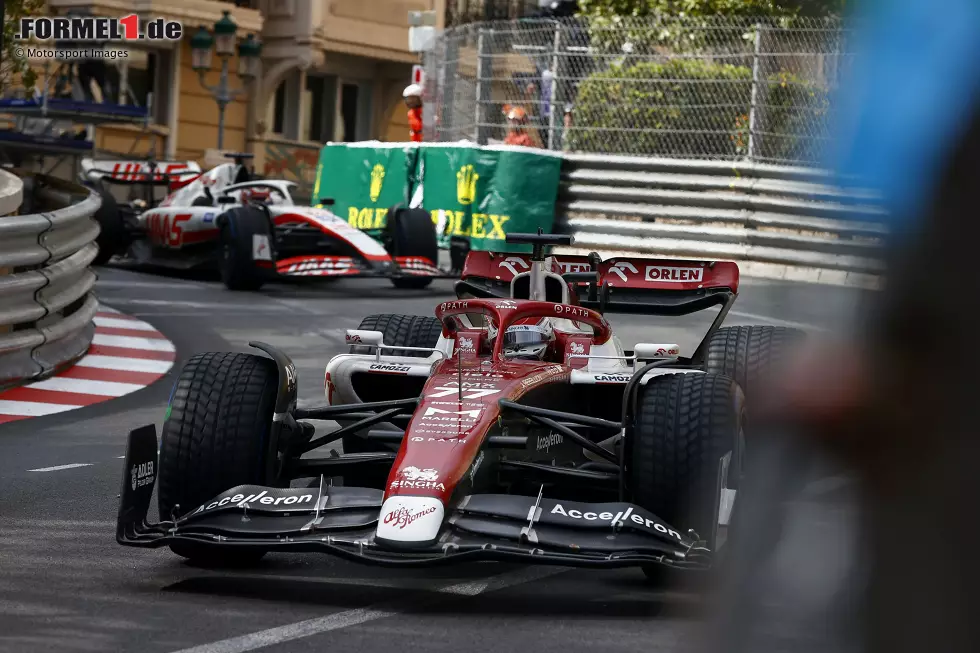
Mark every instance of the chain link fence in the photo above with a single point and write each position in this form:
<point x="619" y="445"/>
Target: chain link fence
<point x="721" y="88"/>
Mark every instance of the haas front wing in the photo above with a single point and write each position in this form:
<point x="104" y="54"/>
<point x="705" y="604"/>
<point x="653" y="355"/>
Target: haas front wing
<point x="350" y="522"/>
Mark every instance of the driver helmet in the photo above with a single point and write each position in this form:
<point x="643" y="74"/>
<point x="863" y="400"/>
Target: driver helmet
<point x="528" y="341"/>
<point x="254" y="195"/>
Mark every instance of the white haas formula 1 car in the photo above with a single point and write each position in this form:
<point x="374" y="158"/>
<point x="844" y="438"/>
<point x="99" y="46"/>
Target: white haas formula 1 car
<point x="510" y="425"/>
<point x="250" y="229"/>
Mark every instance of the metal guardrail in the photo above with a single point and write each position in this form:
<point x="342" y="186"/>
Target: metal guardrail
<point x="46" y="300"/>
<point x="739" y="211"/>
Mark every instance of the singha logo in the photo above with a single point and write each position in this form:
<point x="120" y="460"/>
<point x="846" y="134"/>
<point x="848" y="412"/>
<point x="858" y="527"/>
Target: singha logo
<point x="377" y="178"/>
<point x="466" y="344"/>
<point x="577" y="348"/>
<point x="466" y="184"/>
<point x="416" y="474"/>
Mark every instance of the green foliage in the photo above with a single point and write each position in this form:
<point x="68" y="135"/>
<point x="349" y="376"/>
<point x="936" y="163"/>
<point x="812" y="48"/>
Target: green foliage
<point x="14" y="65"/>
<point x="796" y="114"/>
<point x="682" y="107"/>
<point x="699" y="8"/>
<point x="695" y="108"/>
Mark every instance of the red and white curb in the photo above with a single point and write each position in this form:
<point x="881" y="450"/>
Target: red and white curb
<point x="126" y="355"/>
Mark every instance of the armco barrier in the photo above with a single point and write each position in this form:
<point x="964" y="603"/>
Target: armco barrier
<point x="46" y="300"/>
<point x="714" y="209"/>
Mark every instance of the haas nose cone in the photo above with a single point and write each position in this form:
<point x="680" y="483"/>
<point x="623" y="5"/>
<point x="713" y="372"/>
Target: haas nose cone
<point x="408" y="522"/>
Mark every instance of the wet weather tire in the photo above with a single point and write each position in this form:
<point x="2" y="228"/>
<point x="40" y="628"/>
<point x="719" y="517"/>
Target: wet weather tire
<point x="404" y="330"/>
<point x="239" y="229"/>
<point x="215" y="437"/>
<point x="749" y="354"/>
<point x="685" y="423"/>
<point x="112" y="238"/>
<point x="412" y="233"/>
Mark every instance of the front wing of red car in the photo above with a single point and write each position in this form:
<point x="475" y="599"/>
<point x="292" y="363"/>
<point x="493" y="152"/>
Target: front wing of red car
<point x="343" y="520"/>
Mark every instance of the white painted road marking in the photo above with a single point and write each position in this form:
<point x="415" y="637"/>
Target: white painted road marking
<point x="126" y="355"/>
<point x="777" y="322"/>
<point x="58" y="468"/>
<point x="125" y="364"/>
<point x="132" y="342"/>
<point x="87" y="386"/>
<point x="122" y="323"/>
<point x="359" y="616"/>
<point x="32" y="408"/>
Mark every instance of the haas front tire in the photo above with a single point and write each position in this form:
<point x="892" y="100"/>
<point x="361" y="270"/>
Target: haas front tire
<point x="246" y="246"/>
<point x="112" y="238"/>
<point x="685" y="424"/>
<point x="217" y="436"/>
<point x="412" y="233"/>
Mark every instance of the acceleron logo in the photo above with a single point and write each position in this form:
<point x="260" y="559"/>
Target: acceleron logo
<point x="96" y="29"/>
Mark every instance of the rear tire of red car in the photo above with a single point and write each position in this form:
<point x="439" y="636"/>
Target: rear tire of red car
<point x="215" y="437"/>
<point x="412" y="233"/>
<point x="685" y="423"/>
<point x="404" y="330"/>
<point x="112" y="239"/>
<point x="750" y="354"/>
<point x="239" y="271"/>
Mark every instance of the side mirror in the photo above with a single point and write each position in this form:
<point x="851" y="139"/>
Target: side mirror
<point x="327" y="201"/>
<point x="226" y="199"/>
<point x="647" y="351"/>
<point x="364" y="337"/>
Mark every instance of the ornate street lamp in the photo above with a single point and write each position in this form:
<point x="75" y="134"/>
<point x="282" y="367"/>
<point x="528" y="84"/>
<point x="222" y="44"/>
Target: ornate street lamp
<point x="249" y="52"/>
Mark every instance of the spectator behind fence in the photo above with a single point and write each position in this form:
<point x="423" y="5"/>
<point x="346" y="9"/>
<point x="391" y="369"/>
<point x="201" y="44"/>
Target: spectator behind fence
<point x="517" y="133"/>
<point x="413" y="100"/>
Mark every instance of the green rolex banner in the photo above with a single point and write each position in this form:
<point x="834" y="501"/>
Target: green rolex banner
<point x="477" y="193"/>
<point x="483" y="194"/>
<point x="364" y="180"/>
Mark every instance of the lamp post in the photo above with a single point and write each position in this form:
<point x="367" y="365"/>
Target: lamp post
<point x="224" y="44"/>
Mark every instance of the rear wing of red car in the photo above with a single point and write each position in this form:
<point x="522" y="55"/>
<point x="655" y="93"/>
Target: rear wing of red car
<point x="650" y="286"/>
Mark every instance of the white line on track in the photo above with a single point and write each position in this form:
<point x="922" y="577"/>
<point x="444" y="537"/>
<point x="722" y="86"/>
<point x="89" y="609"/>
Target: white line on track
<point x="124" y="364"/>
<point x="85" y="386"/>
<point x="32" y="408"/>
<point x="123" y="323"/>
<point x="777" y="322"/>
<point x="132" y="342"/>
<point x="58" y="468"/>
<point x="210" y="306"/>
<point x="358" y="616"/>
<point x="105" y="283"/>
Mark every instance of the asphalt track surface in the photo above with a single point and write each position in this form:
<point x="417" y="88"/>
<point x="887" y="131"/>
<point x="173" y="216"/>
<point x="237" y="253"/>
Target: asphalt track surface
<point x="65" y="585"/>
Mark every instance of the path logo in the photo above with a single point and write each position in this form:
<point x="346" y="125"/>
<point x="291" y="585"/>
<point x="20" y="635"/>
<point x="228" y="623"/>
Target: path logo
<point x="466" y="180"/>
<point x="377" y="179"/>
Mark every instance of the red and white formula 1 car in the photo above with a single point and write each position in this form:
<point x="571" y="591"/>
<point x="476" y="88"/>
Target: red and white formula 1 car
<point x="511" y="425"/>
<point x="251" y="230"/>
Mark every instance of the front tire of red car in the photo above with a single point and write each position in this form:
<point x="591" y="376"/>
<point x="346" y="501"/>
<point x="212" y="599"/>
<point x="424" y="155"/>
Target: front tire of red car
<point x="685" y="423"/>
<point x="216" y="436"/>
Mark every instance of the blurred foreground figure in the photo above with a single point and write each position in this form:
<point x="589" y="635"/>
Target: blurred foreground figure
<point x="858" y="518"/>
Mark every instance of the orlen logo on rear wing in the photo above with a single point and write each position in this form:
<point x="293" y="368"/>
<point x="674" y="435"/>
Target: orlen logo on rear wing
<point x="134" y="171"/>
<point x="668" y="274"/>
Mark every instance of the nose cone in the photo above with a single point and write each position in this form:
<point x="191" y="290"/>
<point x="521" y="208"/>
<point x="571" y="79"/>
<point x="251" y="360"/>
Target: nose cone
<point x="408" y="521"/>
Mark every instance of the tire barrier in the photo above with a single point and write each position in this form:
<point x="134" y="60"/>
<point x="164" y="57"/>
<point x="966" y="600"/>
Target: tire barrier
<point x="47" y="236"/>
